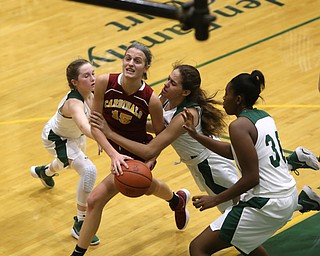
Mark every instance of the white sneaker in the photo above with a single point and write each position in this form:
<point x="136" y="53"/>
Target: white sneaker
<point x="303" y="158"/>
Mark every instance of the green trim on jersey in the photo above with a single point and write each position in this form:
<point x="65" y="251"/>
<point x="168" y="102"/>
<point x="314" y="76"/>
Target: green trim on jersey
<point x="254" y="114"/>
<point x="184" y="104"/>
<point x="75" y="94"/>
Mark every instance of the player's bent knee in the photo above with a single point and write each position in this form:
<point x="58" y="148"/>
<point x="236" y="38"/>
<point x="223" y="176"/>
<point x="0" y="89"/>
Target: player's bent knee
<point x="87" y="171"/>
<point x="95" y="201"/>
<point x="91" y="201"/>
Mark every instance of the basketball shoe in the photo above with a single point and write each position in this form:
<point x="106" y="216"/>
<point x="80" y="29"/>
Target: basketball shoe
<point x="303" y="158"/>
<point x="75" y="231"/>
<point x="309" y="200"/>
<point x="40" y="172"/>
<point x="181" y="213"/>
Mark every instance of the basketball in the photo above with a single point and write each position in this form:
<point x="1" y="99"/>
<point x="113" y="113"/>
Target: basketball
<point x="135" y="180"/>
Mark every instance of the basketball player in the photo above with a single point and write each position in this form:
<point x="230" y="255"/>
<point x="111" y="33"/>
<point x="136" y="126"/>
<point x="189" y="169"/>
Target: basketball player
<point x="268" y="192"/>
<point x="64" y="136"/>
<point x="212" y="172"/>
<point x="125" y="101"/>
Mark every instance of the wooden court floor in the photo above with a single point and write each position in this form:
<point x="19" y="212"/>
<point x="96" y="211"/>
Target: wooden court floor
<point x="40" y="38"/>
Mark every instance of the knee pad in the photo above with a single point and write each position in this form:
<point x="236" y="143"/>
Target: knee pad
<point x="86" y="170"/>
<point x="89" y="179"/>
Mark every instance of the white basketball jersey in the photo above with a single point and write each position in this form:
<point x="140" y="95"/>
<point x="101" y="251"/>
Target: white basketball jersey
<point x="65" y="126"/>
<point x="275" y="178"/>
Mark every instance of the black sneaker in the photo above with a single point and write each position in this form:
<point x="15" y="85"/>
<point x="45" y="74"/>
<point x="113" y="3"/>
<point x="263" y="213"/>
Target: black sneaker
<point x="75" y="231"/>
<point x="40" y="172"/>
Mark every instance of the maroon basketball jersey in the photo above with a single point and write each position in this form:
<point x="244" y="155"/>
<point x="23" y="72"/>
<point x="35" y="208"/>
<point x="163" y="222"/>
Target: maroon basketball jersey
<point x="127" y="114"/>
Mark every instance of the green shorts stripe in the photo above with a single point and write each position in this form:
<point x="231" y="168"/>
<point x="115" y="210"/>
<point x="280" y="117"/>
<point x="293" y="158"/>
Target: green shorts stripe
<point x="205" y="171"/>
<point x="60" y="147"/>
<point x="232" y="220"/>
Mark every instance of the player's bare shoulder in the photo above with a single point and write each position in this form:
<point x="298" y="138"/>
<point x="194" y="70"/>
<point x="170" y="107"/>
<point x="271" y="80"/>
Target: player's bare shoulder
<point x="102" y="81"/>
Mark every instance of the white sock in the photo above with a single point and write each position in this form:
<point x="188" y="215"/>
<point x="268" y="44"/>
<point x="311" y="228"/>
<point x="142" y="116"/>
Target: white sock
<point x="48" y="172"/>
<point x="81" y="215"/>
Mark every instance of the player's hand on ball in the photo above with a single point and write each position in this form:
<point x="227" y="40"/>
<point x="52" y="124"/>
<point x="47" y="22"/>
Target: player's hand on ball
<point x="116" y="163"/>
<point x="136" y="179"/>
